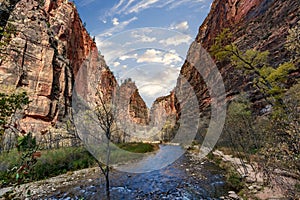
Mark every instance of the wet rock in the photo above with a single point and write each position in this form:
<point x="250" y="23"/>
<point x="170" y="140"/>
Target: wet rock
<point x="233" y="195"/>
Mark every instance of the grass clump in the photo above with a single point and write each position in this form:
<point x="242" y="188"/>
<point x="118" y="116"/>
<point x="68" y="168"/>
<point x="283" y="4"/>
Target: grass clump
<point x="138" y="147"/>
<point x="55" y="162"/>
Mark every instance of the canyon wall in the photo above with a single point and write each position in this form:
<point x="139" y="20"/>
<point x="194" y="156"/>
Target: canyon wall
<point x="49" y="54"/>
<point x="46" y="50"/>
<point x="258" y="24"/>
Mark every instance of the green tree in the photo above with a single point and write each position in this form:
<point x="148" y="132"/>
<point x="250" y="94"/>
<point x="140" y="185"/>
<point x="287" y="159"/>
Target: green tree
<point x="278" y="131"/>
<point x="269" y="80"/>
<point x="6" y="34"/>
<point x="28" y="147"/>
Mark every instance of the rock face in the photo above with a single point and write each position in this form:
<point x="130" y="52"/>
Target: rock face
<point x="163" y="106"/>
<point x="49" y="54"/>
<point x="163" y="110"/>
<point x="6" y="7"/>
<point x="43" y="56"/>
<point x="258" y="24"/>
<point x="133" y="106"/>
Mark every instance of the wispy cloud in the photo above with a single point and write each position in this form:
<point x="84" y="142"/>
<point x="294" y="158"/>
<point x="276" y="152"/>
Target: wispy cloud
<point x="143" y="37"/>
<point x="142" y="5"/>
<point x="156" y="56"/>
<point x="85" y="2"/>
<point x="134" y="6"/>
<point x="119" y="26"/>
<point x="176" y="40"/>
<point x="122" y="6"/>
<point x="128" y="43"/>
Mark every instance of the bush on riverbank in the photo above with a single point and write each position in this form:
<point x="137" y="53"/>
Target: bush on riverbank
<point x="57" y="161"/>
<point x="51" y="163"/>
<point x="138" y="147"/>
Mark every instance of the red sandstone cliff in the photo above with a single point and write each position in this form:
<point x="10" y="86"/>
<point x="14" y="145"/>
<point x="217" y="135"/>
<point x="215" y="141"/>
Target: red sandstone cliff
<point x="258" y="24"/>
<point x="133" y="106"/>
<point x="49" y="55"/>
<point x="161" y="106"/>
<point x="48" y="48"/>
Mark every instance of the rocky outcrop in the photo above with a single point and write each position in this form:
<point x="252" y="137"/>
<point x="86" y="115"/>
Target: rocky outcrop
<point x="163" y="106"/>
<point x="131" y="103"/>
<point x="163" y="114"/>
<point x="44" y="55"/>
<point x="259" y="24"/>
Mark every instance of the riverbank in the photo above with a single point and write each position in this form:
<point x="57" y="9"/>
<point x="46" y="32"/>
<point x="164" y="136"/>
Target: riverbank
<point x="187" y="178"/>
<point x="54" y="162"/>
<point x="250" y="181"/>
<point x="193" y="153"/>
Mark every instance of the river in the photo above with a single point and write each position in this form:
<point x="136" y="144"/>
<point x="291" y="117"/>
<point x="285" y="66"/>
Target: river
<point x="186" y="178"/>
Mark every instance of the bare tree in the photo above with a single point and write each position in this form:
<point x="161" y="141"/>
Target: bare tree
<point x="105" y="112"/>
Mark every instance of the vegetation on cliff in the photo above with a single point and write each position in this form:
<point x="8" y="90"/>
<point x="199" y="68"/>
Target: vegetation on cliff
<point x="270" y="138"/>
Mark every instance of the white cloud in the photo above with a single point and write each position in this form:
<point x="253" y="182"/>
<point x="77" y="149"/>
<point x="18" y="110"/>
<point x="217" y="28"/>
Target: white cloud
<point x="182" y="26"/>
<point x="121" y="26"/>
<point x="142" y="5"/>
<point x="116" y="64"/>
<point x="118" y="4"/>
<point x="181" y="2"/>
<point x="85" y="2"/>
<point x="170" y="58"/>
<point x="136" y="6"/>
<point x="142" y="37"/>
<point x="151" y="90"/>
<point x="166" y="3"/>
<point x="129" y="3"/>
<point x="109" y="49"/>
<point x="115" y="21"/>
<point x="151" y="55"/>
<point x="125" y="57"/>
<point x="156" y="56"/>
<point x="176" y="40"/>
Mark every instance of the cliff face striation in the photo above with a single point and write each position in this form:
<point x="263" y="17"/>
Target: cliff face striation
<point x="48" y="47"/>
<point x="258" y="24"/>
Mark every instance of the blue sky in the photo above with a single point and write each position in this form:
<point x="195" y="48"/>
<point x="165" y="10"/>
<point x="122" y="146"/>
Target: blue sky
<point x="146" y="40"/>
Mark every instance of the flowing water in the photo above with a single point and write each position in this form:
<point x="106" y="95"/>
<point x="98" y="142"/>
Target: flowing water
<point x="186" y="178"/>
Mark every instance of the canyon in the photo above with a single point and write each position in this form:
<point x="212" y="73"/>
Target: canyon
<point x="50" y="47"/>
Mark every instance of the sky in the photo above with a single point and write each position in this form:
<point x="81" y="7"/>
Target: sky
<point x="145" y="40"/>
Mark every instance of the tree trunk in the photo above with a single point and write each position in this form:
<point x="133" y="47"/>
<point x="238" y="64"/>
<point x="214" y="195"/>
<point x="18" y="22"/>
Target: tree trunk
<point x="107" y="184"/>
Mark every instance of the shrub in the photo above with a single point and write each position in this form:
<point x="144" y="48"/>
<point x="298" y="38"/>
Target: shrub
<point x="51" y="163"/>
